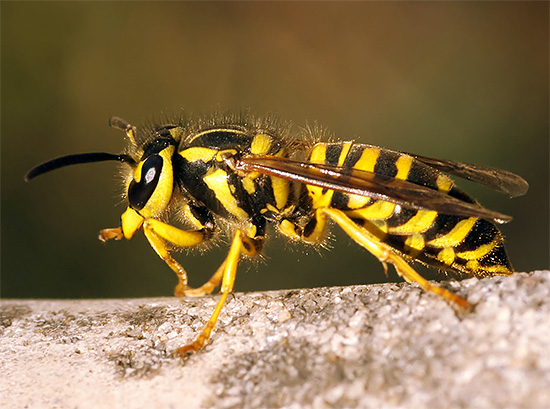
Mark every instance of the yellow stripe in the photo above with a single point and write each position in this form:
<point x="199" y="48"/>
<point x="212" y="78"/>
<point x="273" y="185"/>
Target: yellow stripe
<point x="447" y="256"/>
<point x="176" y="133"/>
<point x="357" y="202"/>
<point x="137" y="173"/>
<point x="419" y="223"/>
<point x="480" y="251"/>
<point x="480" y="270"/>
<point x="260" y="144"/>
<point x="318" y="198"/>
<point x="456" y="235"/>
<point x="403" y="165"/>
<point x="281" y="190"/>
<point x="289" y="229"/>
<point x="248" y="185"/>
<point x="198" y="153"/>
<point x="157" y="203"/>
<point x="377" y="228"/>
<point x="189" y="216"/>
<point x="217" y="182"/>
<point x="415" y="242"/>
<point x="199" y="134"/>
<point x="496" y="269"/>
<point x="444" y="183"/>
<point x="366" y="162"/>
<point x="368" y="159"/>
<point x="381" y="225"/>
<point x="318" y="154"/>
<point x="346" y="146"/>
<point x="379" y="210"/>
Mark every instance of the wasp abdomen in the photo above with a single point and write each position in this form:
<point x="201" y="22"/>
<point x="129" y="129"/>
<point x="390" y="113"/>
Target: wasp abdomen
<point x="468" y="245"/>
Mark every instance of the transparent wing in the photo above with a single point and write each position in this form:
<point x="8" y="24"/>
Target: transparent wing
<point x="367" y="184"/>
<point x="498" y="179"/>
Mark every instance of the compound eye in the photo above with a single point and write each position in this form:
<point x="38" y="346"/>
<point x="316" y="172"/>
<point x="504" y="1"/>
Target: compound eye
<point x="140" y="192"/>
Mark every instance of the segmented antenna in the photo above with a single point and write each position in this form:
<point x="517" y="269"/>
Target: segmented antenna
<point x="75" y="160"/>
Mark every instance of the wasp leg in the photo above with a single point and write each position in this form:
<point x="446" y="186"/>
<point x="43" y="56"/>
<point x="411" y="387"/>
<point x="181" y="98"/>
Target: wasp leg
<point x="242" y="244"/>
<point x="209" y="286"/>
<point x="158" y="233"/>
<point x="203" y="220"/>
<point x="111" y="233"/>
<point x="385" y="254"/>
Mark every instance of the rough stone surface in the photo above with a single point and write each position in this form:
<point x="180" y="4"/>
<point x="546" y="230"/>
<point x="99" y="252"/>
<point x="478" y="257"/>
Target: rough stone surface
<point x="379" y="346"/>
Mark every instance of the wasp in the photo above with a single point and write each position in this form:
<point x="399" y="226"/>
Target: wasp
<point x="239" y="173"/>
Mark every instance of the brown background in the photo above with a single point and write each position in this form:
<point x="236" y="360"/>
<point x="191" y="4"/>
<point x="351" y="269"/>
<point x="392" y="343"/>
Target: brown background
<point x="464" y="81"/>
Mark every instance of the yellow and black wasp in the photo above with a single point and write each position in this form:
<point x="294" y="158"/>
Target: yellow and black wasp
<point x="241" y="173"/>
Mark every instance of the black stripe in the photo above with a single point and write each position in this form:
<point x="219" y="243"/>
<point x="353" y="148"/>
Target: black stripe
<point x="385" y="164"/>
<point x="397" y="219"/>
<point x="340" y="201"/>
<point x="352" y="157"/>
<point x="396" y="241"/>
<point x="202" y="214"/>
<point x="263" y="194"/>
<point x="310" y="227"/>
<point x="442" y="225"/>
<point x="221" y="140"/>
<point x="497" y="256"/>
<point x="333" y="153"/>
<point x="188" y="176"/>
<point x="429" y="256"/>
<point x="421" y="174"/>
<point x="240" y="194"/>
<point x="482" y="233"/>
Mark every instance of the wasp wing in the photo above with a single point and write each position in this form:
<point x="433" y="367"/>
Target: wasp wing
<point x="369" y="184"/>
<point x="498" y="179"/>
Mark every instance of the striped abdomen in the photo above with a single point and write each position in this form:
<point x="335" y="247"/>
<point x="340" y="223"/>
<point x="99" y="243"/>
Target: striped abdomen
<point x="470" y="245"/>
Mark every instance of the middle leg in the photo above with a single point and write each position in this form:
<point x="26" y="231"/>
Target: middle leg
<point x="241" y="244"/>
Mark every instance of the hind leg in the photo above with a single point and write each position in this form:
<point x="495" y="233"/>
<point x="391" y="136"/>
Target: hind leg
<point x="386" y="254"/>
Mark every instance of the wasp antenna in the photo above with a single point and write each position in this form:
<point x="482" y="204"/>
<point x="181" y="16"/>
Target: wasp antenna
<point x="123" y="125"/>
<point x="74" y="160"/>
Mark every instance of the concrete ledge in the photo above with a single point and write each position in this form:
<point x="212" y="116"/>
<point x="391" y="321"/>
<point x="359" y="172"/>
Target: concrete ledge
<point x="380" y="346"/>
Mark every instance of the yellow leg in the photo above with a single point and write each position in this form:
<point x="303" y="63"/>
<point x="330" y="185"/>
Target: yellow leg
<point x="158" y="233"/>
<point x="241" y="244"/>
<point x="209" y="286"/>
<point x="249" y="248"/>
<point x="385" y="254"/>
<point x="110" y="234"/>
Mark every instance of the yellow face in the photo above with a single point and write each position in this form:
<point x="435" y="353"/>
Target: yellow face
<point x="149" y="190"/>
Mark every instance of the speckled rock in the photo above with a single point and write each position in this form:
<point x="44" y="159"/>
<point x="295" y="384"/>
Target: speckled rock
<point x="379" y="346"/>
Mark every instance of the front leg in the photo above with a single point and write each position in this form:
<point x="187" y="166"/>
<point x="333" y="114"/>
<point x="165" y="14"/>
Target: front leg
<point x="159" y="233"/>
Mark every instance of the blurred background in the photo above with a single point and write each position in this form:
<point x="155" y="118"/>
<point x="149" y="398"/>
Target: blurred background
<point x="463" y="81"/>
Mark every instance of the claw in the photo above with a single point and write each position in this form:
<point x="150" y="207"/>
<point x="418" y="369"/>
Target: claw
<point x="109" y="234"/>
